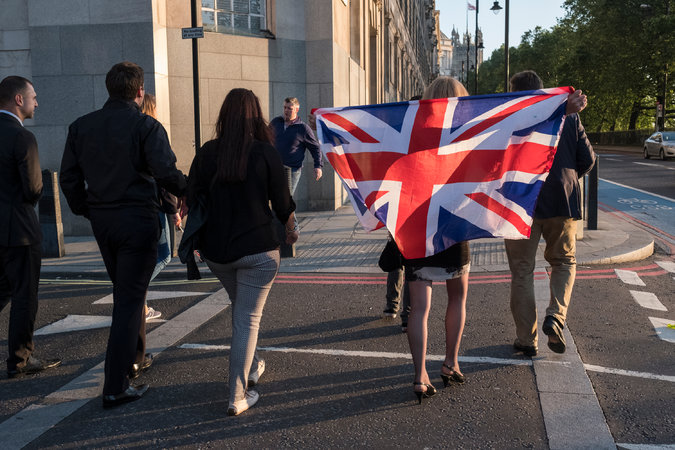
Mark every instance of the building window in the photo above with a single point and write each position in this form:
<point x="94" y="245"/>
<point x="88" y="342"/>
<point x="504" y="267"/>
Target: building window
<point x="246" y="17"/>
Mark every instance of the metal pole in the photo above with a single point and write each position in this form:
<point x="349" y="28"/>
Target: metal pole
<point x="506" y="47"/>
<point x="195" y="76"/>
<point x="475" y="67"/>
<point x="593" y="177"/>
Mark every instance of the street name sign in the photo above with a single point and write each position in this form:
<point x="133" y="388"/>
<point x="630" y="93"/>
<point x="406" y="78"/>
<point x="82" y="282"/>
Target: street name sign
<point x="193" y="33"/>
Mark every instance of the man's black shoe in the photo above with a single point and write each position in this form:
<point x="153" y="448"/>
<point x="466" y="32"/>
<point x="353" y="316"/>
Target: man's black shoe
<point x="528" y="350"/>
<point x="554" y="330"/>
<point x="137" y="368"/>
<point x="33" y="365"/>
<point x="131" y="394"/>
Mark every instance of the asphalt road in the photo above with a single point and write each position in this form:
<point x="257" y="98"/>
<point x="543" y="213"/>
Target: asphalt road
<point x="338" y="376"/>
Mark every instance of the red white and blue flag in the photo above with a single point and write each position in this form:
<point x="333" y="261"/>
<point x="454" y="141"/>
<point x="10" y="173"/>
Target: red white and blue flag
<point x="437" y="172"/>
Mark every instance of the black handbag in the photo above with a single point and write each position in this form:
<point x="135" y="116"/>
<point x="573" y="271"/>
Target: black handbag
<point x="391" y="258"/>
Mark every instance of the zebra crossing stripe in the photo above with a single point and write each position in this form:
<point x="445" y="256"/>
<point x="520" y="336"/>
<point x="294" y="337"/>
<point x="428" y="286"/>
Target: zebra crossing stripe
<point x="648" y="300"/>
<point x="629" y="277"/>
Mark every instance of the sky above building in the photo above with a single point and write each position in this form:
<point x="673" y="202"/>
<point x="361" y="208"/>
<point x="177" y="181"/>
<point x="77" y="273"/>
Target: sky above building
<point x="524" y="15"/>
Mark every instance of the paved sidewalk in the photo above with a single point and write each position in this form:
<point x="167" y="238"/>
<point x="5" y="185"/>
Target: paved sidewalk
<point x="333" y="241"/>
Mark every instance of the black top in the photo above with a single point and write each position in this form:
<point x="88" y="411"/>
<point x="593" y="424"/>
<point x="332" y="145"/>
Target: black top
<point x="560" y="195"/>
<point x="455" y="256"/>
<point x="20" y="184"/>
<point x="238" y="216"/>
<point x="120" y="153"/>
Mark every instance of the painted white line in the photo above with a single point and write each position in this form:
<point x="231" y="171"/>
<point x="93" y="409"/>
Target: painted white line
<point x="665" y="329"/>
<point x="668" y="266"/>
<point x="639" y="190"/>
<point x="152" y="295"/>
<point x="31" y="422"/>
<point x="363" y="354"/>
<point x="654" y="165"/>
<point x="629" y="373"/>
<point x="75" y="322"/>
<point x="613" y="159"/>
<point x="648" y="300"/>
<point x="629" y="277"/>
<point x="646" y="446"/>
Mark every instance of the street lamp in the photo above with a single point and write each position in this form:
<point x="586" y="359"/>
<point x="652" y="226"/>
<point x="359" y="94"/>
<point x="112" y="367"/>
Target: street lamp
<point x="495" y="9"/>
<point x="475" y="72"/>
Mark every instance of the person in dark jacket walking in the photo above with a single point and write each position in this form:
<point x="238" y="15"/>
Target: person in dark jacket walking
<point x="113" y="162"/>
<point x="558" y="208"/>
<point x="292" y="137"/>
<point x="233" y="180"/>
<point x="20" y="234"/>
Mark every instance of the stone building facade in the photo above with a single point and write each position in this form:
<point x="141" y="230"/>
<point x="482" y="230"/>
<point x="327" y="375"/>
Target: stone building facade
<point x="324" y="52"/>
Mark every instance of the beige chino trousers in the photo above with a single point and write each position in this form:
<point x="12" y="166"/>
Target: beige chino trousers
<point x="560" y="236"/>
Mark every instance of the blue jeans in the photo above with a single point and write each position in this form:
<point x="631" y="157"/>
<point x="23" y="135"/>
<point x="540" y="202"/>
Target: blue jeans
<point x="163" y="248"/>
<point x="293" y="176"/>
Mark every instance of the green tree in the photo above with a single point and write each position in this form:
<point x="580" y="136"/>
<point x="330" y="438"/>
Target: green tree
<point x="618" y="53"/>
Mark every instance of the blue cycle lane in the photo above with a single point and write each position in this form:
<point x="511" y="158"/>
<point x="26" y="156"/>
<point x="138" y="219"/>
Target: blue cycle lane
<point x="652" y="209"/>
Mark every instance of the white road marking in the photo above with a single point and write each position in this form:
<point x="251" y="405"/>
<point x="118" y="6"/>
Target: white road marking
<point x="668" y="266"/>
<point x="629" y="373"/>
<point x="629" y="277"/>
<point x="613" y="159"/>
<point x="152" y="295"/>
<point x="31" y="422"/>
<point x="75" y="322"/>
<point x="663" y="328"/>
<point x="654" y="165"/>
<point x="364" y="354"/>
<point x="465" y="359"/>
<point x="648" y="300"/>
<point x="646" y="446"/>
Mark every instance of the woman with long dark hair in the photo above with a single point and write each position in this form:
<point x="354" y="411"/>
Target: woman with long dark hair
<point x="236" y="177"/>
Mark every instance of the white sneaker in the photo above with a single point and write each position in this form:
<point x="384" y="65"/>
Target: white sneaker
<point x="152" y="314"/>
<point x="250" y="398"/>
<point x="253" y="377"/>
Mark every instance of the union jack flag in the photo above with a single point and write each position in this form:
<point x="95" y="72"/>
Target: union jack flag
<point x="437" y="172"/>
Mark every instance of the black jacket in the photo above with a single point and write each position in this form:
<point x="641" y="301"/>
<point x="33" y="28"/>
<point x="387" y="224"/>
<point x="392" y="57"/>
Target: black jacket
<point x="20" y="184"/>
<point x="122" y="155"/>
<point x="237" y="220"/>
<point x="560" y="195"/>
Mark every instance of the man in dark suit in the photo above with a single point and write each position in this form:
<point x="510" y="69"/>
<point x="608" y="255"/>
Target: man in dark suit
<point x="114" y="160"/>
<point x="20" y="235"/>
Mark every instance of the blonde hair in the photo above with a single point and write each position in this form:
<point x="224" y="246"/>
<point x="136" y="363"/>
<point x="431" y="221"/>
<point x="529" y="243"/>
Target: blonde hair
<point x="149" y="105"/>
<point x="444" y="87"/>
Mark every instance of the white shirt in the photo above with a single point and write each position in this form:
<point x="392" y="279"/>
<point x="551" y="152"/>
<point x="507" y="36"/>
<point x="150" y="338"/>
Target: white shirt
<point x="11" y="114"/>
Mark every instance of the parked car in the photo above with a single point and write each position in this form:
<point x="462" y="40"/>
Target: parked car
<point x="661" y="144"/>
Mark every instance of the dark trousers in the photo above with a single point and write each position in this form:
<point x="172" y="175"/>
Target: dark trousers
<point x="127" y="239"/>
<point x="19" y="279"/>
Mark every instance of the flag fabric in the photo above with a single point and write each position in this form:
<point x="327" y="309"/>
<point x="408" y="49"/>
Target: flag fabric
<point x="470" y="7"/>
<point x="437" y="172"/>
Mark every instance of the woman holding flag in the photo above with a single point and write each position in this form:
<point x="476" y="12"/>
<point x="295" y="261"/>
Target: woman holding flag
<point x="452" y="266"/>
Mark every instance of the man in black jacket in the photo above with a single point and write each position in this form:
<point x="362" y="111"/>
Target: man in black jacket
<point x="122" y="155"/>
<point x="20" y="234"/>
<point x="558" y="209"/>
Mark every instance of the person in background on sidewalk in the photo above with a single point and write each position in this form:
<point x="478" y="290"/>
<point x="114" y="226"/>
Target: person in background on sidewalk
<point x="168" y="205"/>
<point x="236" y="177"/>
<point x="558" y="208"/>
<point x="114" y="160"/>
<point x="398" y="297"/>
<point x="20" y="233"/>
<point x="291" y="138"/>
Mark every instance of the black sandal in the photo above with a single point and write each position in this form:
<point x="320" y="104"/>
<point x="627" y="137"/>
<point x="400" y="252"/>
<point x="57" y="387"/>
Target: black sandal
<point x="429" y="392"/>
<point x="453" y="376"/>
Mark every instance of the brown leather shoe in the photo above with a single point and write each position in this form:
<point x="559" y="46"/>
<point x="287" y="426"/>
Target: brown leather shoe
<point x="528" y="350"/>
<point x="33" y="365"/>
<point x="554" y="330"/>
